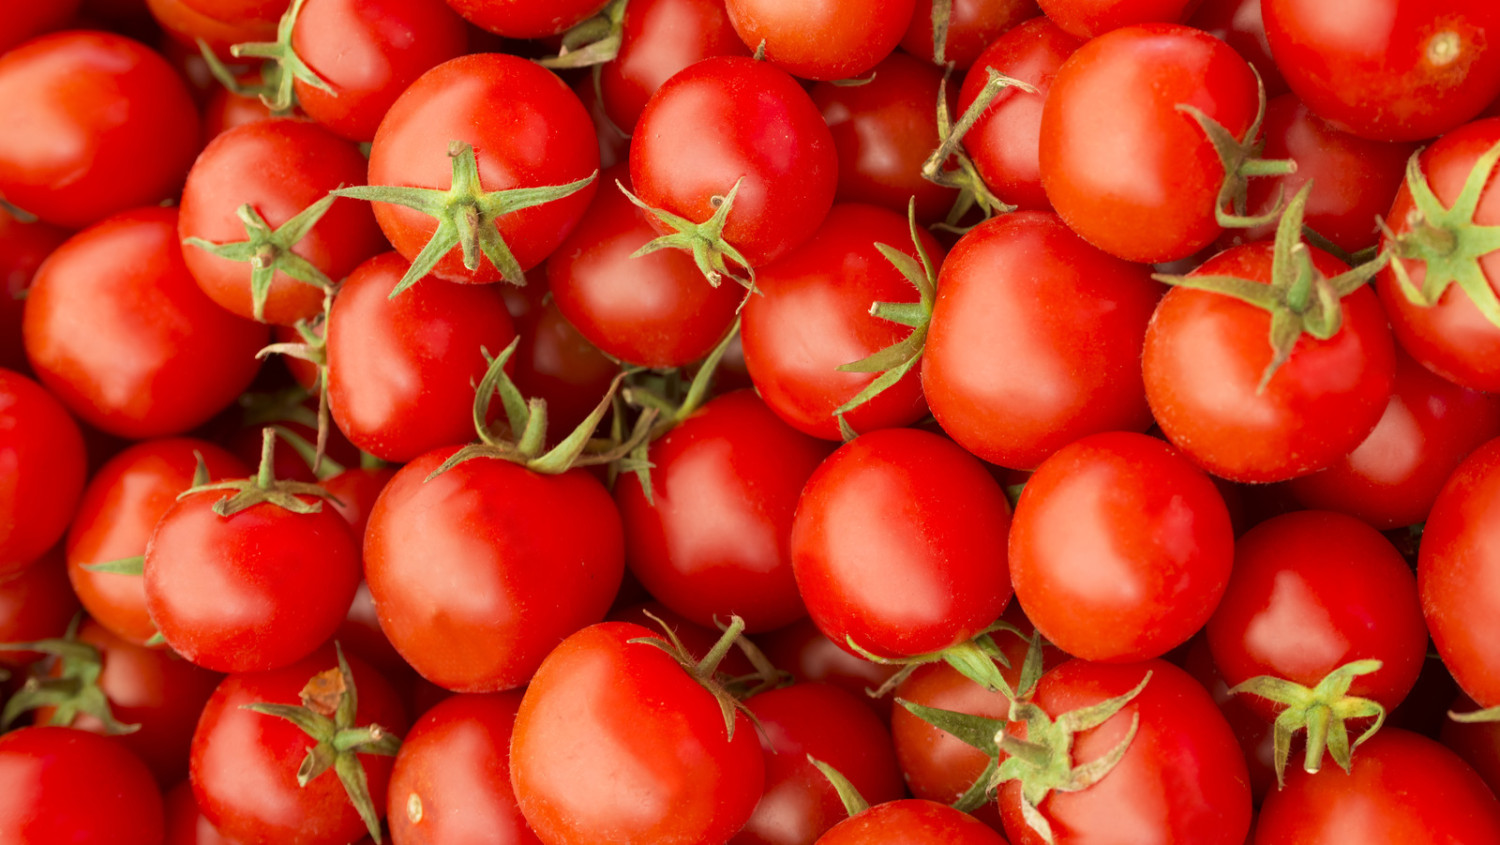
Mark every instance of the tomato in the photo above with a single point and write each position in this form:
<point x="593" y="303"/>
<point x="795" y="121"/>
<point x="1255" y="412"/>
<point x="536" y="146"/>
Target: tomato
<point x="526" y="18"/>
<point x="72" y="786"/>
<point x="1255" y="735"/>
<point x="1120" y="548"/>
<point x="972" y="26"/>
<point x="239" y="11"/>
<point x="1404" y="788"/>
<point x="41" y="449"/>
<point x="118" y="330"/>
<point x="95" y="124"/>
<point x="1389" y="70"/>
<point x="35" y="604"/>
<point x="1034" y="341"/>
<point x="22" y="21"/>
<point x="398" y="381"/>
<point x="1239" y="24"/>
<point x="185" y="824"/>
<point x="801" y="649"/>
<point x="898" y="544"/>
<point x="658" y="38"/>
<point x="1149" y="188"/>
<point x="23" y="246"/>
<point x="187" y="25"/>
<point x="822" y="39"/>
<point x="1092" y="18"/>
<point x="912" y="821"/>
<point x="558" y="365"/>
<point x="276" y="168"/>
<point x="1392" y="478"/>
<point x="664" y="767"/>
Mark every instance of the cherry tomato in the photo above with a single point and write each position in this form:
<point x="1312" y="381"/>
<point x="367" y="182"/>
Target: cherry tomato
<point x="72" y="786"/>
<point x="185" y="824"/>
<point x="41" y="449"/>
<point x="21" y="21"/>
<point x="658" y="38"/>
<point x="911" y="821"/>
<point x="1092" y="18"/>
<point x="23" y="246"/>
<point x="972" y="26"/>
<point x="35" y="604"/>
<point x="801" y="649"/>
<point x="187" y="25"/>
<point x="526" y="18"/>
<point x="822" y="39"/>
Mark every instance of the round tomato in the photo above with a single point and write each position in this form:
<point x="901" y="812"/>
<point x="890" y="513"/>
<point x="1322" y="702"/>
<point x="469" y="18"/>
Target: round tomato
<point x="822" y="39"/>
<point x="41" y="449"/>
<point x="35" y="604"/>
<point x="1092" y="18"/>
<point x="972" y="26"/>
<point x="911" y="821"/>
<point x="23" y="246"/>
<point x="658" y="38"/>
<point x="72" y="786"/>
<point x="526" y="18"/>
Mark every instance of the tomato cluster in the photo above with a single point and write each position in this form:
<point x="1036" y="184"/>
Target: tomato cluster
<point x="767" y="422"/>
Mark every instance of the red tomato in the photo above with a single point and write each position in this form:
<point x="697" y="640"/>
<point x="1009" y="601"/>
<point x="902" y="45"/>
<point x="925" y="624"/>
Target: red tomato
<point x="95" y="124"/>
<point x="23" y="246"/>
<point x="240" y="11"/>
<point x="35" y="604"/>
<point x="1035" y="340"/>
<point x="658" y="38"/>
<point x="1239" y="24"/>
<point x="972" y="26"/>
<point x="116" y="327"/>
<point x="187" y="25"/>
<point x="1092" y="18"/>
<point x="822" y="39"/>
<point x="557" y="364"/>
<point x="41" y="449"/>
<point x="664" y="767"/>
<point x="526" y="18"/>
<point x="21" y="21"/>
<point x="912" y="821"/>
<point x="72" y="786"/>
<point x="898" y="544"/>
<point x="801" y="649"/>
<point x="185" y="824"/>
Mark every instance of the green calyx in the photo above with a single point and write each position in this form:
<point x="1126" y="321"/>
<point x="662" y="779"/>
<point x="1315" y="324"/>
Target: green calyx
<point x="705" y="671"/>
<point x="327" y="715"/>
<point x="74" y="690"/>
<point x="896" y="360"/>
<point x="1447" y="240"/>
<point x="848" y="793"/>
<point x="593" y="42"/>
<point x="1241" y="160"/>
<point x="1299" y="299"/>
<point x="704" y="241"/>
<point x="263" y="488"/>
<point x="468" y="216"/>
<point x="283" y="66"/>
<point x="269" y="250"/>
<point x="312" y="348"/>
<point x="963" y="175"/>
<point x="136" y="566"/>
<point x="1489" y="714"/>
<point x="1322" y="711"/>
<point x="979" y="660"/>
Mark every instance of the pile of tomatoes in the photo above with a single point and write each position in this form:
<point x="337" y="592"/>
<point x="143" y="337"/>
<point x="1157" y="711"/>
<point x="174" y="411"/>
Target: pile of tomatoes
<point x="769" y="422"/>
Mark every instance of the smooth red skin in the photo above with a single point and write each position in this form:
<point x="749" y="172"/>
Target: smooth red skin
<point x="35" y="604"/>
<point x="1205" y="356"/>
<point x="240" y="11"/>
<point x="911" y="821"/>
<point x="61" y="785"/>
<point x="1392" y="478"/>
<point x="662" y="768"/>
<point x="527" y="130"/>
<point x="728" y="118"/>
<point x="95" y="123"/>
<point x="526" y="18"/>
<point x="226" y="110"/>
<point x="22" y="21"/>
<point x="1255" y="735"/>
<point x="1145" y="189"/>
<point x="614" y="145"/>
<point x="557" y="364"/>
<point x="117" y="329"/>
<point x="186" y="25"/>
<point x="1354" y="179"/>
<point x="489" y="554"/>
<point x="972" y="26"/>
<point x="401" y="372"/>
<point x="1239" y="24"/>
<point x="244" y="764"/>
<point x="899" y="544"/>
<point x="815" y="316"/>
<point x="716" y="540"/>
<point x="1182" y="779"/>
<point x="822" y="39"/>
<point x="697" y="639"/>
<point x="1366" y="69"/>
<point x="1456" y="574"/>
<point x="1120" y="548"/>
<point x="1451" y="338"/>
<point x="355" y="491"/>
<point x="454" y="771"/>
<point x="279" y="167"/>
<point x="120" y="508"/>
<point x="1034" y="341"/>
<point x="657" y="310"/>
<point x="252" y="592"/>
<point x="883" y="131"/>
<point x="1091" y="18"/>
<point x="1403" y="788"/>
<point x="819" y="720"/>
<point x="23" y="247"/>
<point x="185" y="824"/>
<point x="369" y="51"/>
<point x="1005" y="143"/>
<point x="42" y="451"/>
<point x="1313" y="591"/>
<point x="658" y="38"/>
<point x="801" y="649"/>
<point x="152" y="688"/>
<point x="1478" y="743"/>
<point x="361" y="635"/>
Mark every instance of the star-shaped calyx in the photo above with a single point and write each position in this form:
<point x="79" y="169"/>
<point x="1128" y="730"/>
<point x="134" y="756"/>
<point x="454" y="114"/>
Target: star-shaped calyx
<point x="269" y="250"/>
<point x="1321" y="710"/>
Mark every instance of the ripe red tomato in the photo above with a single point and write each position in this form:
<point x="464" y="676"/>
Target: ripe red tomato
<point x="21" y="21"/>
<point x="911" y="821"/>
<point x="558" y="365"/>
<point x="185" y="823"/>
<point x="526" y="18"/>
<point x="658" y="38"/>
<point x="23" y="246"/>
<point x="41" y="449"/>
<point x="95" y="124"/>
<point x="972" y="26"/>
<point x="72" y="786"/>
<point x="35" y="604"/>
<point x="1092" y="18"/>
<point x="187" y="25"/>
<point x="822" y="39"/>
<point x="801" y="649"/>
<point x="1239" y="24"/>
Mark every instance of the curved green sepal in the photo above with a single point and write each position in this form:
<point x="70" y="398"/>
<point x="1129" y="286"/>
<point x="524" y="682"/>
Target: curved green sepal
<point x="978" y="732"/>
<point x="704" y="241"/>
<point x="964" y="175"/>
<point x="704" y="670"/>
<point x="124" y="566"/>
<point x="264" y="488"/>
<point x="1322" y="711"/>
<point x="942" y="14"/>
<point x="854" y="803"/>
<point x="283" y="66"/>
<point x="1240" y="158"/>
<point x="73" y="691"/>
<point x="976" y="660"/>
<point x="269" y="250"/>
<point x="592" y="42"/>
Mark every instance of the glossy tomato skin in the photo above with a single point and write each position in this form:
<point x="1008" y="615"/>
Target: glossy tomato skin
<point x="911" y="821"/>
<point x="525" y="18"/>
<point x="1120" y="548"/>
<point x="1182" y="779"/>
<point x="118" y="330"/>
<point x="557" y="364"/>
<point x="96" y="124"/>
<point x="22" y="21"/>
<point x="41" y="449"/>
<point x="822" y="39"/>
<point x="1313" y="591"/>
<point x="186" y="25"/>
<point x="716" y="539"/>
<point x="451" y="781"/>
<point x="1205" y="356"/>
<point x="700" y="134"/>
<point x="527" y="130"/>
<point x="1456" y="574"/>
<point x="665" y="769"/>
<point x="972" y="26"/>
<point x="369" y="51"/>
<point x="899" y="544"/>
<point x="401" y="372"/>
<point x="654" y="310"/>
<point x="1240" y="25"/>
<point x="1392" y="478"/>
<point x="23" y="246"/>
<point x="185" y="823"/>
<point x="278" y="167"/>
<point x="1035" y="340"/>
<point x="801" y="649"/>
<point x="1092" y="18"/>
<point x="1145" y="190"/>
<point x="1451" y="338"/>
<point x="1389" y="70"/>
<point x="489" y="554"/>
<point x="658" y="38"/>
<point x="1403" y="788"/>
<point x="244" y="764"/>
<point x="35" y="604"/>
<point x="815" y="317"/>
<point x="72" y="786"/>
